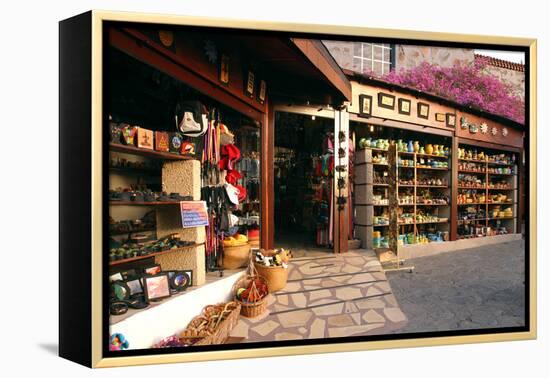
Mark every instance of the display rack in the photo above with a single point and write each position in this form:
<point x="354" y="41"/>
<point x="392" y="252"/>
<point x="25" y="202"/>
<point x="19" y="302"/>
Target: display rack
<point x="476" y="212"/>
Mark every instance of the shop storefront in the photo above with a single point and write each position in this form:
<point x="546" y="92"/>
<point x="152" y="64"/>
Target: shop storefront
<point x="220" y="145"/>
<point x="191" y="122"/>
<point x="456" y="173"/>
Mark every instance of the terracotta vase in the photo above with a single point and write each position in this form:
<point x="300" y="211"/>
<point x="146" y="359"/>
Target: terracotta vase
<point x="429" y="149"/>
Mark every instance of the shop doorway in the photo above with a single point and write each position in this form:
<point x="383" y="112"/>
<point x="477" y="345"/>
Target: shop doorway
<point x="303" y="184"/>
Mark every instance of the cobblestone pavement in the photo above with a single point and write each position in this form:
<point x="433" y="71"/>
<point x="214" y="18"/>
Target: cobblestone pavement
<point x="473" y="288"/>
<point x="327" y="296"/>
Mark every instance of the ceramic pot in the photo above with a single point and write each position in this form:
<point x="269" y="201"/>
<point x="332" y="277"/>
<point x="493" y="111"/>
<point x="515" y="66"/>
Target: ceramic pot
<point x="400" y="145"/>
<point x="410" y="147"/>
<point x="422" y="151"/>
<point x="416" y="146"/>
<point x="429" y="149"/>
<point x="436" y="149"/>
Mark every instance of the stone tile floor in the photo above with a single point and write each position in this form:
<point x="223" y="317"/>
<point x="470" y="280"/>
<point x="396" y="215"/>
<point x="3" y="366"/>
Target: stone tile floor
<point x="473" y="288"/>
<point x="327" y="296"/>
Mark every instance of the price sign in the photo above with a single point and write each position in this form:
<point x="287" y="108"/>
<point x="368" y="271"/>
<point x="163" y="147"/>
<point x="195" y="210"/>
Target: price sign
<point x="193" y="214"/>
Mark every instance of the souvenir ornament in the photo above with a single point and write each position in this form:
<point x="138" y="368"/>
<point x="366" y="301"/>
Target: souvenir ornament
<point x="463" y="123"/>
<point x="145" y="138"/>
<point x="129" y="135"/>
<point x="483" y="127"/>
<point x="187" y="148"/>
<point x="118" y="342"/>
<point x="162" y="142"/>
<point x="473" y="128"/>
<point x="175" y="142"/>
<point x="504" y="132"/>
<point x="210" y="51"/>
<point x="494" y="131"/>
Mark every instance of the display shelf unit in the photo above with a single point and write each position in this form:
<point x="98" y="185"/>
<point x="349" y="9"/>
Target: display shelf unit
<point x="142" y="203"/>
<point x="485" y="224"/>
<point x="413" y="174"/>
<point x="115" y="147"/>
<point x="130" y="232"/>
<point x="154" y="254"/>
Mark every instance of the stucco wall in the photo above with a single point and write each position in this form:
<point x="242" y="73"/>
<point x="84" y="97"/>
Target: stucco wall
<point x="342" y="52"/>
<point x="408" y="56"/>
<point x="514" y="78"/>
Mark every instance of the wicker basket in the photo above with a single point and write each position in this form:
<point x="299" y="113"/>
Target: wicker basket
<point x="250" y="310"/>
<point x="208" y="329"/>
<point x="236" y="257"/>
<point x="276" y="276"/>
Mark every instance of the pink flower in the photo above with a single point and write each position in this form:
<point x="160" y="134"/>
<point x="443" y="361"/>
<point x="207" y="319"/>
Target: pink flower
<point x="466" y="84"/>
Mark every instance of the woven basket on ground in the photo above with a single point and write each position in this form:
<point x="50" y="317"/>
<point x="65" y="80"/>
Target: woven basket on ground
<point x="276" y="276"/>
<point x="213" y="326"/>
<point x="251" y="309"/>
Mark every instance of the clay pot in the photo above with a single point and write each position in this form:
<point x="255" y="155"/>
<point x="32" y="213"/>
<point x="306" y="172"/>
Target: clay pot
<point x="416" y="146"/>
<point x="429" y="149"/>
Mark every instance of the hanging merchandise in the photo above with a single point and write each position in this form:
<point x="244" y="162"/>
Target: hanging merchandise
<point x="192" y="118"/>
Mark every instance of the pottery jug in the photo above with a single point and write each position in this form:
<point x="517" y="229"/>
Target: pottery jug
<point x="421" y="151"/>
<point x="436" y="149"/>
<point x="416" y="146"/>
<point x="410" y="148"/>
<point x="400" y="145"/>
<point x="429" y="149"/>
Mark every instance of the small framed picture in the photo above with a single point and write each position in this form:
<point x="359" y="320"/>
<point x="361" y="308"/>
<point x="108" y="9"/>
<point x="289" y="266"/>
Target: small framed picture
<point x="262" y="92"/>
<point x="224" y="69"/>
<point x="440" y="117"/>
<point x="404" y="106"/>
<point x="450" y="120"/>
<point x="179" y="279"/>
<point x="152" y="270"/>
<point x="365" y="106"/>
<point x="249" y="84"/>
<point x="386" y="100"/>
<point x="423" y="110"/>
<point x="156" y="287"/>
<point x="135" y="285"/>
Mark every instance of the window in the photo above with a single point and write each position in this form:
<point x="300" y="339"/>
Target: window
<point x="372" y="57"/>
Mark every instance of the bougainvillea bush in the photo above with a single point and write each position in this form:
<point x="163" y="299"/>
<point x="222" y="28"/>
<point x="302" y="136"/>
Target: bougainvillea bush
<point x="466" y="84"/>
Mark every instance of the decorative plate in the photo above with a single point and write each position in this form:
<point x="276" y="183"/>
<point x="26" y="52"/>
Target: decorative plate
<point x="494" y="131"/>
<point x="483" y="127"/>
<point x="504" y="131"/>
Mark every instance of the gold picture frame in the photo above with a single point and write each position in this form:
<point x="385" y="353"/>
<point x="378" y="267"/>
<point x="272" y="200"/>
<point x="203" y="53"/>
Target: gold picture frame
<point x="94" y="23"/>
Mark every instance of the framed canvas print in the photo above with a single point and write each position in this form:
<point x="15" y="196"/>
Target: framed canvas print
<point x="210" y="211"/>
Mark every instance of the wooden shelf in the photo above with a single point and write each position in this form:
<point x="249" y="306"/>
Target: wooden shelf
<point x="501" y="174"/>
<point x="473" y="160"/>
<point x="472" y="188"/>
<point x="114" y="147"/>
<point x="433" y="156"/>
<point x="406" y="166"/>
<point x="114" y="233"/>
<point x="380" y="164"/>
<point x="433" y="204"/>
<point x="433" y="186"/>
<point x="472" y="220"/>
<point x="381" y="185"/>
<point x="507" y="189"/>
<point x="433" y="169"/>
<point x="136" y="170"/>
<point x="501" y="164"/>
<point x="467" y="171"/>
<point x="136" y="203"/>
<point x="175" y="250"/>
<point x="501" y="203"/>
<point x="405" y="186"/>
<point x="472" y="204"/>
<point x="433" y="222"/>
<point x="375" y="149"/>
<point x="502" y="218"/>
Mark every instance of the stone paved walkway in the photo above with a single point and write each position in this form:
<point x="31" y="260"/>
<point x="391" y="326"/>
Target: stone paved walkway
<point x="473" y="288"/>
<point x="327" y="296"/>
